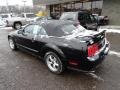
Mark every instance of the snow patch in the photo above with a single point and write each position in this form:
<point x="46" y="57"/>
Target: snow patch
<point x="6" y="28"/>
<point x="95" y="76"/>
<point x="111" y="30"/>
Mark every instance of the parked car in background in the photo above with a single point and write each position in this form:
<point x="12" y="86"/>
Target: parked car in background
<point x="20" y="20"/>
<point x="28" y="16"/>
<point x="16" y="22"/>
<point x="6" y="15"/>
<point x="62" y="45"/>
<point x="2" y="22"/>
<point x="102" y="20"/>
<point x="83" y="18"/>
<point x="36" y="19"/>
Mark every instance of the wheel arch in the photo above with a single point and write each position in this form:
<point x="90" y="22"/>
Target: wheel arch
<point x="17" y="22"/>
<point x="9" y="36"/>
<point x="53" y="48"/>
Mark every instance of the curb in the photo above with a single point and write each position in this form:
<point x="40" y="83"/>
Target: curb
<point x="110" y="27"/>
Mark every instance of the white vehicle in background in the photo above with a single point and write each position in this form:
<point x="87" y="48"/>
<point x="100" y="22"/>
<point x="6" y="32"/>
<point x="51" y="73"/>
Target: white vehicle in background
<point x="37" y="19"/>
<point x="2" y="22"/>
<point x="28" y="16"/>
<point x="7" y="15"/>
<point x="18" y="21"/>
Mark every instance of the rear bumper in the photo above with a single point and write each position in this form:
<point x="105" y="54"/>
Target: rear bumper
<point x="91" y="63"/>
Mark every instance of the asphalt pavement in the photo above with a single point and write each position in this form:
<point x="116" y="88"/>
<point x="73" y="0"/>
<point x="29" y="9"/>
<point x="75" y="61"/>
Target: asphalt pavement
<point x="22" y="71"/>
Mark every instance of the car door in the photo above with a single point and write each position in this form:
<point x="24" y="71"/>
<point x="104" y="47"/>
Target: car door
<point x="35" y="40"/>
<point x="42" y="38"/>
<point x="38" y="38"/>
<point x="25" y="39"/>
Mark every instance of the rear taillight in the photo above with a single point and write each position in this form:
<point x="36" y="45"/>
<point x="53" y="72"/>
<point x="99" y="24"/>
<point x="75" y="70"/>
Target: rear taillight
<point x="73" y="62"/>
<point x="92" y="50"/>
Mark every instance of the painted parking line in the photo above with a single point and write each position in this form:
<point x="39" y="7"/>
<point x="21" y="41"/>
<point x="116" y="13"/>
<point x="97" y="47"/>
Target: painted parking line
<point x="110" y="27"/>
<point x="6" y="28"/>
<point x="114" y="53"/>
<point x="95" y="76"/>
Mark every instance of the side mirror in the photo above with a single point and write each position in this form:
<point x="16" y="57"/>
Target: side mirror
<point x="20" y="32"/>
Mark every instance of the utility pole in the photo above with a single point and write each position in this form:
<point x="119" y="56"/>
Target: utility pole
<point x="82" y="5"/>
<point x="24" y="1"/>
<point x="91" y="5"/>
<point x="7" y="6"/>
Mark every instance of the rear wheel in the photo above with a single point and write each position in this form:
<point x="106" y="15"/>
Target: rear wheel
<point x="54" y="63"/>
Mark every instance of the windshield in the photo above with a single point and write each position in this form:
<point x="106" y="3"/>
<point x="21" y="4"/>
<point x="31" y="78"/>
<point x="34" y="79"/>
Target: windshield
<point x="42" y="18"/>
<point x="93" y="18"/>
<point x="4" y="16"/>
<point x="30" y="15"/>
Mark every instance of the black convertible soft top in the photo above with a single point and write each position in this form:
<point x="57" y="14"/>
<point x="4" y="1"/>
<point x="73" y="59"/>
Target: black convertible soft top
<point x="52" y="24"/>
<point x="52" y="27"/>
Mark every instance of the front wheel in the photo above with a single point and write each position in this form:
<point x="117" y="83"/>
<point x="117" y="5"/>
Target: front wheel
<point x="12" y="44"/>
<point x="54" y="63"/>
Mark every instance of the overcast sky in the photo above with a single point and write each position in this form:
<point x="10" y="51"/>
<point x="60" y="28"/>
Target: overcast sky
<point x="16" y="2"/>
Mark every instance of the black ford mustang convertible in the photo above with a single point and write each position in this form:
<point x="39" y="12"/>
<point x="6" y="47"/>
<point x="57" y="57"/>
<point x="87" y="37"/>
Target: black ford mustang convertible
<point x="62" y="45"/>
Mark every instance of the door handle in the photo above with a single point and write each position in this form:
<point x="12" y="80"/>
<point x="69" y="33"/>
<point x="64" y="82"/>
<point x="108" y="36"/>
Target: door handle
<point x="33" y="39"/>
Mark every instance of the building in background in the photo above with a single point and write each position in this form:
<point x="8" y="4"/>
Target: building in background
<point x="56" y="7"/>
<point x="111" y="8"/>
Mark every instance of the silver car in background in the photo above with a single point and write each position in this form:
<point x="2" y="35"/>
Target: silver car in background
<point x="2" y="22"/>
<point x="20" y="20"/>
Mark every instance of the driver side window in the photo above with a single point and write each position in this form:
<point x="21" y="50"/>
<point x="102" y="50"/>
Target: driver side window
<point x="36" y="30"/>
<point x="39" y="30"/>
<point x="29" y="29"/>
<point x="42" y="31"/>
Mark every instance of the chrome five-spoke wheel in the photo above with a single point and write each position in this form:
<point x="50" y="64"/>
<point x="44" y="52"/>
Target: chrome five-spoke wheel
<point x="54" y="63"/>
<point x="12" y="44"/>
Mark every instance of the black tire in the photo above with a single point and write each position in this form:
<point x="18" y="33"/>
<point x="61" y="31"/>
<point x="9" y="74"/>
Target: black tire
<point x="60" y="67"/>
<point x="17" y="25"/>
<point x="12" y="44"/>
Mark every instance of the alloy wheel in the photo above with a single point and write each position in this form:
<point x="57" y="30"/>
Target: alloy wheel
<point x="11" y="43"/>
<point x="52" y="63"/>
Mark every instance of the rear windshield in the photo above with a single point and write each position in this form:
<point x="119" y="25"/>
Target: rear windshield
<point x="65" y="30"/>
